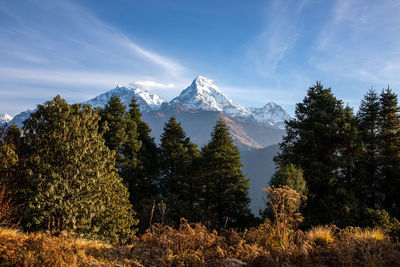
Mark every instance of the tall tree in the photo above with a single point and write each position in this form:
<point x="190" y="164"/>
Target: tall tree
<point x="10" y="146"/>
<point x="313" y="140"/>
<point x="178" y="180"/>
<point x="121" y="136"/>
<point x="225" y="193"/>
<point x="368" y="177"/>
<point x="113" y="124"/>
<point x="389" y="150"/>
<point x="144" y="177"/>
<point x="71" y="182"/>
<point x="347" y="186"/>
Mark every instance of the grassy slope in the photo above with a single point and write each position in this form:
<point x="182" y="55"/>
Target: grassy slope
<point x="193" y="245"/>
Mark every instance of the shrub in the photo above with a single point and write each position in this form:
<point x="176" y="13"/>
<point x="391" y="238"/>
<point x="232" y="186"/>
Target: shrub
<point x="284" y="203"/>
<point x="382" y="219"/>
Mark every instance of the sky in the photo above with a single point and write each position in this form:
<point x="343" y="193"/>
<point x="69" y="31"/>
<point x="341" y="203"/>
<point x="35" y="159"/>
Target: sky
<point x="256" y="51"/>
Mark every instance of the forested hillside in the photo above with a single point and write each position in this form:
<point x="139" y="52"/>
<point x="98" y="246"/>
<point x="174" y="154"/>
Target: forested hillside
<point x="78" y="172"/>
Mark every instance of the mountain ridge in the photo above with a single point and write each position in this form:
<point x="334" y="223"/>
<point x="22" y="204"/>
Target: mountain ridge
<point x="202" y="94"/>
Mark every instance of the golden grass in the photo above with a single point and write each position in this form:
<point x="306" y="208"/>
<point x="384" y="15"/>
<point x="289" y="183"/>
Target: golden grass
<point x="321" y="235"/>
<point x="40" y="249"/>
<point x="194" y="245"/>
<point x="370" y="234"/>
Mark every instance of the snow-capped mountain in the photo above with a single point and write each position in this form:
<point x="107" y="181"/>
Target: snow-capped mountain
<point x="146" y="101"/>
<point x="270" y="114"/>
<point x="21" y="117"/>
<point x="203" y="94"/>
<point x="5" y="118"/>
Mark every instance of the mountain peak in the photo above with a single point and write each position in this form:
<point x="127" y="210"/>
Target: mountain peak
<point x="203" y="81"/>
<point x="5" y="118"/>
<point x="146" y="100"/>
<point x="203" y="94"/>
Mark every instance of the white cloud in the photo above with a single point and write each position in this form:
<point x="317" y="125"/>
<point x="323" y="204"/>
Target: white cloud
<point x="148" y="85"/>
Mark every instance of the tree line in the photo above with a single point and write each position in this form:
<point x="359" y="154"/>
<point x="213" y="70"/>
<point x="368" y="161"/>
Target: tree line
<point x="99" y="173"/>
<point x="347" y="164"/>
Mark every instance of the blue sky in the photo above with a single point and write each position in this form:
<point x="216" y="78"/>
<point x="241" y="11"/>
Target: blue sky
<point x="255" y="51"/>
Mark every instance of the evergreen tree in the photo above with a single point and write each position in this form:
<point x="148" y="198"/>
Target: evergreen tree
<point x="10" y="144"/>
<point x="113" y="124"/>
<point x="347" y="188"/>
<point x="291" y="176"/>
<point x="120" y="134"/>
<point x="312" y="142"/>
<point x="70" y="179"/>
<point x="144" y="177"/>
<point x="225" y="193"/>
<point x="368" y="177"/>
<point x="178" y="179"/>
<point x="389" y="151"/>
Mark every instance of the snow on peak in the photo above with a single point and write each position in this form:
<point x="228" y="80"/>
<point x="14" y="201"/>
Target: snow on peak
<point x="146" y="100"/>
<point x="203" y="94"/>
<point x="5" y="118"/>
<point x="271" y="114"/>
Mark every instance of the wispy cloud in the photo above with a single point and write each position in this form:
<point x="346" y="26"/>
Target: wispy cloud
<point x="61" y="44"/>
<point x="282" y="28"/>
<point x="361" y="42"/>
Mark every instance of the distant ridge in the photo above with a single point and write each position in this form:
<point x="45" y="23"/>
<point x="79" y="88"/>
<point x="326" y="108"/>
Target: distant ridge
<point x="256" y="131"/>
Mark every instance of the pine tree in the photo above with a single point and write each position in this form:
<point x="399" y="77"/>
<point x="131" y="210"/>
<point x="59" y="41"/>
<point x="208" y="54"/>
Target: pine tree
<point x="312" y="142"/>
<point x="121" y="136"/>
<point x="71" y="182"/>
<point x="225" y="193"/>
<point x="291" y="176"/>
<point x="389" y="150"/>
<point x="368" y="176"/>
<point x="113" y="124"/>
<point x="178" y="180"/>
<point x="347" y="187"/>
<point x="144" y="177"/>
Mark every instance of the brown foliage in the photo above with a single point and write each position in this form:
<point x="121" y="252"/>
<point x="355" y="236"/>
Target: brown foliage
<point x="40" y="249"/>
<point x="194" y="245"/>
<point x="7" y="209"/>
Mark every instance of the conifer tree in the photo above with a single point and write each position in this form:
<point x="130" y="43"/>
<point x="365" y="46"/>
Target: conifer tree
<point x="225" y="188"/>
<point x="389" y="150"/>
<point x="347" y="188"/>
<point x="144" y="177"/>
<point x="71" y="182"/>
<point x="312" y="142"/>
<point x="368" y="177"/>
<point x="113" y="124"/>
<point x="291" y="176"/>
<point x="120" y="134"/>
<point x="178" y="180"/>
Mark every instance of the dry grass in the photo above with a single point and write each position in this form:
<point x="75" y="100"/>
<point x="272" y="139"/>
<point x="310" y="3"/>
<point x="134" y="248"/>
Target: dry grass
<point x="39" y="249"/>
<point x="321" y="235"/>
<point x="194" y="245"/>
